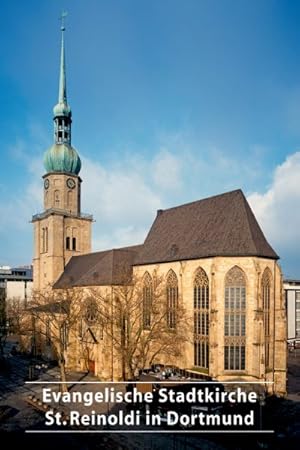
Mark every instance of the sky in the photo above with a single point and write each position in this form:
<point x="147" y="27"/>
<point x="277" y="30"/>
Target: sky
<point x="172" y="101"/>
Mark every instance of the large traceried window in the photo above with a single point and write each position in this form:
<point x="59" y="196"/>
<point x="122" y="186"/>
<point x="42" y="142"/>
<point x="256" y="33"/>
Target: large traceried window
<point x="147" y="301"/>
<point x="172" y="299"/>
<point x="235" y="320"/>
<point x="201" y="319"/>
<point x="266" y="294"/>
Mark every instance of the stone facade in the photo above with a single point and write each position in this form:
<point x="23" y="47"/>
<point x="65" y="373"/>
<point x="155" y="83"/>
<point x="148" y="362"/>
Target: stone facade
<point x="61" y="231"/>
<point x="105" y="362"/>
<point x="62" y="191"/>
<point x="50" y="243"/>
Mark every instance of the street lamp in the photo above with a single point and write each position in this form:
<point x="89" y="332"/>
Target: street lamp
<point x="262" y="403"/>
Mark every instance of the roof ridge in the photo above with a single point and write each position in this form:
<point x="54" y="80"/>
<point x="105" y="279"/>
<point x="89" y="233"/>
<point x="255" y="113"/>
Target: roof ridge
<point x="203" y="199"/>
<point x="129" y="248"/>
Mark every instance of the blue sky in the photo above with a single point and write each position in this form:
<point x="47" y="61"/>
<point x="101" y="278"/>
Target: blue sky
<point x="172" y="100"/>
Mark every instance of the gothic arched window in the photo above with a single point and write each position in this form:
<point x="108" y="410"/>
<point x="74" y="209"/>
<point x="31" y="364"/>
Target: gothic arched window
<point x="265" y="294"/>
<point x="201" y="319"/>
<point x="172" y="299"/>
<point x="147" y="301"/>
<point x="235" y="320"/>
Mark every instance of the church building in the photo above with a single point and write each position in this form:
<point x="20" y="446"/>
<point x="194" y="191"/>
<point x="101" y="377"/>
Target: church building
<point x="212" y="253"/>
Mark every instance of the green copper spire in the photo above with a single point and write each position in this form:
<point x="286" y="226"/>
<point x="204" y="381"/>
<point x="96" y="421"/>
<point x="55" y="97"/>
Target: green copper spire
<point x="62" y="108"/>
<point x="62" y="157"/>
<point x="62" y="96"/>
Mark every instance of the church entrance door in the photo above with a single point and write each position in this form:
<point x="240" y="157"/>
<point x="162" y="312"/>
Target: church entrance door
<point x="91" y="366"/>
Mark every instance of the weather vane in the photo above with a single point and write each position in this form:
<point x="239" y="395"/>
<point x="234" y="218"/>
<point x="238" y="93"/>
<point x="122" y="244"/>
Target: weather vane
<point x="62" y="18"/>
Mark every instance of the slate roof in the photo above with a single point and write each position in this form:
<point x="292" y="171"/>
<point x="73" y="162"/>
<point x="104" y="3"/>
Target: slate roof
<point x="110" y="267"/>
<point x="223" y="225"/>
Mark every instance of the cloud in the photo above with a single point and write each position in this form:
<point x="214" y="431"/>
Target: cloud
<point x="21" y="203"/>
<point x="166" y="169"/>
<point x="17" y="212"/>
<point x="278" y="212"/>
<point x="119" y="237"/>
<point x="122" y="202"/>
<point x="123" y="195"/>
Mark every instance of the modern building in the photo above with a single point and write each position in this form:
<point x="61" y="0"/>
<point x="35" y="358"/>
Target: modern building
<point x="16" y="283"/>
<point x="214" y="259"/>
<point x="292" y="298"/>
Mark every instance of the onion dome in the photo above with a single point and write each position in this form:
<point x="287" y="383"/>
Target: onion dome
<point x="62" y="158"/>
<point x="62" y="110"/>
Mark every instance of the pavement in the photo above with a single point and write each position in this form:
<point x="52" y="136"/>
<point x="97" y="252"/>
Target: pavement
<point x="22" y="416"/>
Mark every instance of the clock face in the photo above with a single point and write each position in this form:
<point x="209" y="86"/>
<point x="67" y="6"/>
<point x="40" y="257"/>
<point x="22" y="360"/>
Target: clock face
<point x="46" y="183"/>
<point x="71" y="183"/>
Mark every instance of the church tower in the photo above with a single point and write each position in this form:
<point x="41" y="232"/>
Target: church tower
<point x="61" y="230"/>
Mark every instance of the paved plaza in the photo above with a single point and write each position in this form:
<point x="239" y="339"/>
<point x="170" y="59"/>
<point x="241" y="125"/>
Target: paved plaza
<point x="22" y="416"/>
<point x="17" y="415"/>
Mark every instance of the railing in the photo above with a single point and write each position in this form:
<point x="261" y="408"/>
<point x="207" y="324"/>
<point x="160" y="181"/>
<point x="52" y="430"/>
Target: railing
<point x="50" y="211"/>
<point x="293" y="343"/>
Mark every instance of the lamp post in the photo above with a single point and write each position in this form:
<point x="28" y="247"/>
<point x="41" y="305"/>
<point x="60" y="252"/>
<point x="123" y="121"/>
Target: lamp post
<point x="261" y="404"/>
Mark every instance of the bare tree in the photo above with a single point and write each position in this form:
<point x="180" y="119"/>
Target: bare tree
<point x="15" y="316"/>
<point x="55" y="315"/>
<point x="136" y="319"/>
